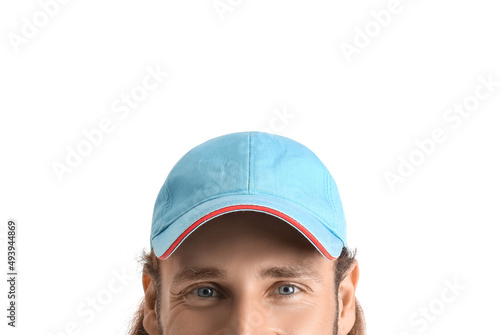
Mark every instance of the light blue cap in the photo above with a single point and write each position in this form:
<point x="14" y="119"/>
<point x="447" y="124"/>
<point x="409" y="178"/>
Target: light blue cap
<point x="254" y="171"/>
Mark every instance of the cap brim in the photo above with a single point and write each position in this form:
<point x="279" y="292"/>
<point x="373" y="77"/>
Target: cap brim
<point x="311" y="227"/>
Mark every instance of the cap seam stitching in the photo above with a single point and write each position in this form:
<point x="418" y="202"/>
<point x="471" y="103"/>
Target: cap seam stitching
<point x="249" y="162"/>
<point x="329" y="196"/>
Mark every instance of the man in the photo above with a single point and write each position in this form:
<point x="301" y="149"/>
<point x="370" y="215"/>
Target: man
<point x="249" y="237"/>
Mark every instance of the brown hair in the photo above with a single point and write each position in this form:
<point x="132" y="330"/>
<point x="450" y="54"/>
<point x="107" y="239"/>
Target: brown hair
<point x="151" y="267"/>
<point x="343" y="263"/>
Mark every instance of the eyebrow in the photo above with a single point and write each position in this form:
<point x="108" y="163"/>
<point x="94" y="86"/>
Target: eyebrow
<point x="195" y="273"/>
<point x="290" y="272"/>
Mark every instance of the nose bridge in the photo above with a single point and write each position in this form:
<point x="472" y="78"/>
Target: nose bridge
<point x="247" y="317"/>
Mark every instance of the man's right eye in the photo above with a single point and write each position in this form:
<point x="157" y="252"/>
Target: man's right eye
<point x="205" y="292"/>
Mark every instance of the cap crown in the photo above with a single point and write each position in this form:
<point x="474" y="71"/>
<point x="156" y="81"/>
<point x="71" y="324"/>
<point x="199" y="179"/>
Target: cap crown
<point x="250" y="163"/>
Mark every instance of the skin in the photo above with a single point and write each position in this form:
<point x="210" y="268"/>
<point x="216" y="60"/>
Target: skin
<point x="241" y="244"/>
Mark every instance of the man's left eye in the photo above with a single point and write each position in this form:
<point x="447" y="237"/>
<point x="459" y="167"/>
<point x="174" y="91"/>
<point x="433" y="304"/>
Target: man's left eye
<point x="288" y="289"/>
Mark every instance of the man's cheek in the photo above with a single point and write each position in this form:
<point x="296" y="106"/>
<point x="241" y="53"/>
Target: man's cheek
<point x="308" y="316"/>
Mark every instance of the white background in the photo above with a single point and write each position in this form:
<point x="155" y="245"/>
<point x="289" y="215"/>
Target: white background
<point x="235" y="72"/>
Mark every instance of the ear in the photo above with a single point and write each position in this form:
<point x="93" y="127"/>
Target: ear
<point x="150" y="321"/>
<point x="347" y="299"/>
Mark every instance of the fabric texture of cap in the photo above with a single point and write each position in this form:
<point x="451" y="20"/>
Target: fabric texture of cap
<point x="249" y="171"/>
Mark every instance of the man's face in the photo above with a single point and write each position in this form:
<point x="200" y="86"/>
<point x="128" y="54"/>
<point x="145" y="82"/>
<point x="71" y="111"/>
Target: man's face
<point x="246" y="273"/>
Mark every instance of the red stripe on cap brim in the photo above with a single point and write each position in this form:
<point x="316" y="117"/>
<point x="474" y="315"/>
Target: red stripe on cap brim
<point x="247" y="207"/>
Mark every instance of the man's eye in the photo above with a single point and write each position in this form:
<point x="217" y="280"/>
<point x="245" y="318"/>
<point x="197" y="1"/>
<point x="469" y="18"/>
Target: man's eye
<point x="205" y="292"/>
<point x="288" y="289"/>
